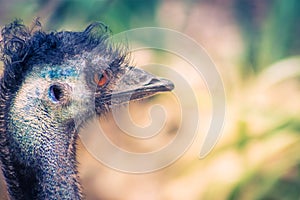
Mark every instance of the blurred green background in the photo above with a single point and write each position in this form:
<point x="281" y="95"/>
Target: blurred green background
<point x="255" y="45"/>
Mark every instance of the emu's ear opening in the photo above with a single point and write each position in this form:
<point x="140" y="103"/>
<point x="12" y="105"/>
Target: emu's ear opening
<point x="137" y="84"/>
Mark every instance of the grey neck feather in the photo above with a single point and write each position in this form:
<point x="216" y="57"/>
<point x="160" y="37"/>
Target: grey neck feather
<point x="52" y="174"/>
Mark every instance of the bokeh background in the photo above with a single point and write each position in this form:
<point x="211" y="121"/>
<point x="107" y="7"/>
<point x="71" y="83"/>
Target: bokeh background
<point x="255" y="45"/>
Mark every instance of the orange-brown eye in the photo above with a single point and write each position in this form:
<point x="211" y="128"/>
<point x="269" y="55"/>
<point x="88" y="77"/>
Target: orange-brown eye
<point x="101" y="79"/>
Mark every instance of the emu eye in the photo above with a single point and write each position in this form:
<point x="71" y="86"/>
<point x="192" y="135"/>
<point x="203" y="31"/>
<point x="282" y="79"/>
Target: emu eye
<point x="101" y="79"/>
<point x="55" y="93"/>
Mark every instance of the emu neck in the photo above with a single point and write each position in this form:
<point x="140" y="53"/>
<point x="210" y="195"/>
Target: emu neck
<point x="55" y="179"/>
<point x="58" y="178"/>
<point x="52" y="174"/>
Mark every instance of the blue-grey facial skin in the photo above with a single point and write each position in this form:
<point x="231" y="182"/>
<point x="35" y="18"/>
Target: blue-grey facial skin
<point x="36" y="111"/>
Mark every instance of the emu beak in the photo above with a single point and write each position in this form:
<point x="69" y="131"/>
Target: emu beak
<point x="137" y="84"/>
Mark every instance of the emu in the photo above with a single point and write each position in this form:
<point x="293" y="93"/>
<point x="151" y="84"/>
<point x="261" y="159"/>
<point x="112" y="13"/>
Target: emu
<point x="50" y="82"/>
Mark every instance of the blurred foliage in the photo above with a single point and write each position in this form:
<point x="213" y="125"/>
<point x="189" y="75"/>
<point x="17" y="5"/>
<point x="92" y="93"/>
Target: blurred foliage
<point x="119" y="15"/>
<point x="272" y="180"/>
<point x="271" y="31"/>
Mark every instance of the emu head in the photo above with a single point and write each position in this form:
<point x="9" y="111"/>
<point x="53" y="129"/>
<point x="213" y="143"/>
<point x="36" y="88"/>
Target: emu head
<point x="52" y="80"/>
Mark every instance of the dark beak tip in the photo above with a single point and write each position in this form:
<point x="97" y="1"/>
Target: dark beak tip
<point x="169" y="85"/>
